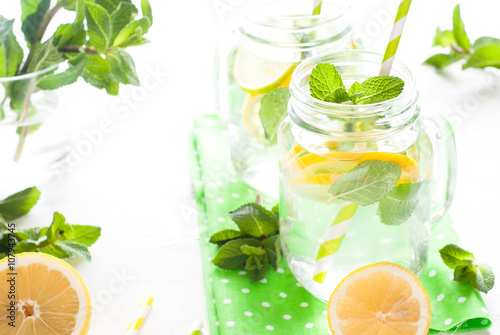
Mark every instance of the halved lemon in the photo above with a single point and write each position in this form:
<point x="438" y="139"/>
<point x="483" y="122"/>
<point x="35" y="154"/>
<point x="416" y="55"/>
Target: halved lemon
<point x="48" y="297"/>
<point x="256" y="75"/>
<point x="380" y="299"/>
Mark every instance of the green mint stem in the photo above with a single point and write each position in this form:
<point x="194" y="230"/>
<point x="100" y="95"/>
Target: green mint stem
<point x="459" y="50"/>
<point x="25" y="130"/>
<point x="76" y="49"/>
<point x="39" y="35"/>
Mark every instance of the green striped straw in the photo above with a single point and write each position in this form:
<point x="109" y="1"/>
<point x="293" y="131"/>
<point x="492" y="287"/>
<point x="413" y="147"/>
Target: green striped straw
<point x="332" y="240"/>
<point x="196" y="328"/>
<point x="397" y="30"/>
<point x="317" y="7"/>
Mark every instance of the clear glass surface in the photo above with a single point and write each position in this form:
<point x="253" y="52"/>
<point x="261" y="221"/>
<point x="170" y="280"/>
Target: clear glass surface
<point x="319" y="142"/>
<point x="276" y="34"/>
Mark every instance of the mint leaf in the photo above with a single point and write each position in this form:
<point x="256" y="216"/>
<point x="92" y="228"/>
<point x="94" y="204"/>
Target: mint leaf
<point x="147" y="12"/>
<point x="73" y="249"/>
<point x="28" y="7"/>
<point x="464" y="272"/>
<point x="99" y="26"/>
<point x="11" y="53"/>
<point x="122" y="66"/>
<point x="97" y="73"/>
<point x="485" y="279"/>
<point x="326" y="84"/>
<point x="19" y="204"/>
<point x="485" y="41"/>
<point x="488" y="55"/>
<point x="366" y="183"/>
<point x="121" y="17"/>
<point x="230" y="256"/>
<point x="32" y="23"/>
<point x="5" y="29"/>
<point x="443" y="38"/>
<point x="257" y="267"/>
<point x="249" y="250"/>
<point x="355" y="88"/>
<point x="440" y="61"/>
<point x="276" y="213"/>
<point x="46" y="56"/>
<point x="459" y="30"/>
<point x="54" y="81"/>
<point x="225" y="235"/>
<point x="272" y="246"/>
<point x="273" y="109"/>
<point x="25" y="246"/>
<point x="67" y="4"/>
<point x="380" y="88"/>
<point x="254" y="220"/>
<point x="83" y="234"/>
<point x="399" y="204"/>
<point x="111" y="5"/>
<point x="52" y="232"/>
<point x="32" y="234"/>
<point x="132" y="34"/>
<point x="454" y="256"/>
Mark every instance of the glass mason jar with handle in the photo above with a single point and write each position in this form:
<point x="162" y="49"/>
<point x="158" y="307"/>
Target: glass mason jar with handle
<point x="253" y="68"/>
<point x="356" y="181"/>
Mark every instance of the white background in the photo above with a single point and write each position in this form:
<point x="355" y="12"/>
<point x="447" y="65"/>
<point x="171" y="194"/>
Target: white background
<point x="135" y="181"/>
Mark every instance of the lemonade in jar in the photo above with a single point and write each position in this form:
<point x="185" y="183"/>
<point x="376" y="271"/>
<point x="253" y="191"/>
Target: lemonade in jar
<point x="254" y="69"/>
<point x="356" y="161"/>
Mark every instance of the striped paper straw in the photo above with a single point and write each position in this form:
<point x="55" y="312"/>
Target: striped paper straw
<point x="332" y="240"/>
<point x="196" y="328"/>
<point x="317" y="7"/>
<point x="142" y="313"/>
<point x="397" y="30"/>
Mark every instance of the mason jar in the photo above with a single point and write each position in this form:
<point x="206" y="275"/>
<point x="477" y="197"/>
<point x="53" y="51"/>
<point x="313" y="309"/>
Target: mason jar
<point x="254" y="67"/>
<point x="356" y="181"/>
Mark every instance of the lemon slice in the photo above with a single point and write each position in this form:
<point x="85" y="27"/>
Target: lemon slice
<point x="380" y="299"/>
<point x="257" y="75"/>
<point x="50" y="297"/>
<point x="251" y="118"/>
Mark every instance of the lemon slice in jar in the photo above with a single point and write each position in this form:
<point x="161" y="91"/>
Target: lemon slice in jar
<point x="256" y="75"/>
<point x="251" y="119"/>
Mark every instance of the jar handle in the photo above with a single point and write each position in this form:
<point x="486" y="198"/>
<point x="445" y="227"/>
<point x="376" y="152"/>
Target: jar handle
<point x="444" y="164"/>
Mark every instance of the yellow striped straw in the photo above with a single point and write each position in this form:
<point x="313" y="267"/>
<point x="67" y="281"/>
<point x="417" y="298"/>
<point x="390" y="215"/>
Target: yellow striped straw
<point x="317" y="7"/>
<point x="332" y="240"/>
<point x="196" y="328"/>
<point x="397" y="30"/>
<point x="142" y="313"/>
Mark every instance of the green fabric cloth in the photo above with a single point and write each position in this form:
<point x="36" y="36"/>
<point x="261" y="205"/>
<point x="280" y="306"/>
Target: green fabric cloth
<point x="278" y="304"/>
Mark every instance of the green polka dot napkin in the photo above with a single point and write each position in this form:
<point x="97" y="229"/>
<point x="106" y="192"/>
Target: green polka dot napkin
<point x="278" y="304"/>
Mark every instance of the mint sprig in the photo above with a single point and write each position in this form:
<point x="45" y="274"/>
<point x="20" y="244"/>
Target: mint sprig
<point x="326" y="84"/>
<point x="484" y="52"/>
<point x="254" y="246"/>
<point x="60" y="239"/>
<point x="93" y="45"/>
<point x="479" y="275"/>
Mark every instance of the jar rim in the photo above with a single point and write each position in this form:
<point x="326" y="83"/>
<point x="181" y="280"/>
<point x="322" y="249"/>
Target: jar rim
<point x="282" y="21"/>
<point x="355" y="56"/>
<point x="29" y="75"/>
